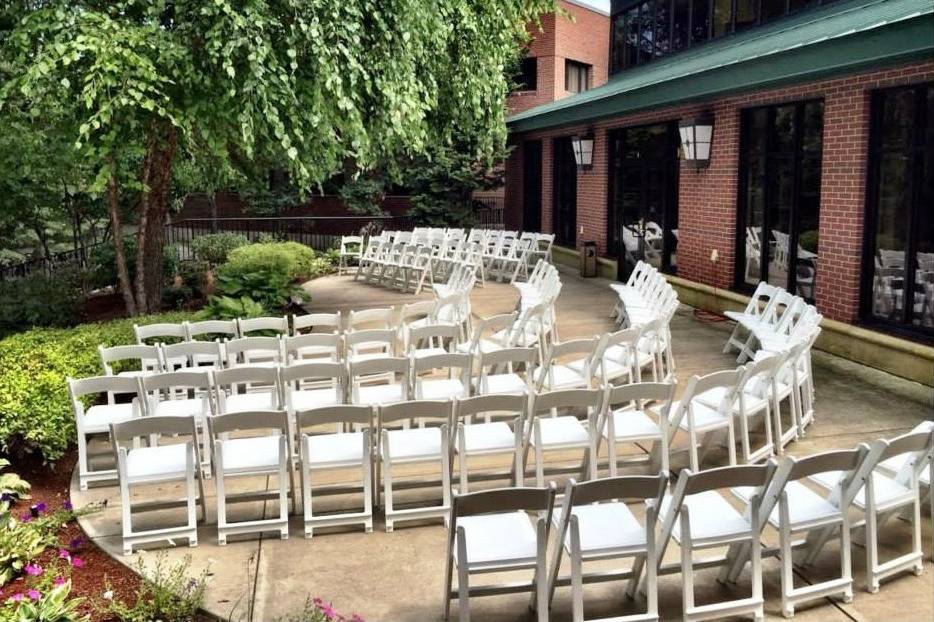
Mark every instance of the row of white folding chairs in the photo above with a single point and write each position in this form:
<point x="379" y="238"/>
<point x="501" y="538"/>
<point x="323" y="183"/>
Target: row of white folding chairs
<point x="597" y="521"/>
<point x="509" y="256"/>
<point x="773" y="318"/>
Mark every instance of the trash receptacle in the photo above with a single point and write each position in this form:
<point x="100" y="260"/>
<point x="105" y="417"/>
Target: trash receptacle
<point x="589" y="259"/>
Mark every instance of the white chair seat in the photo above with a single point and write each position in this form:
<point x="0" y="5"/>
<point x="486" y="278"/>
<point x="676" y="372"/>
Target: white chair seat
<point x="314" y="352"/>
<point x="162" y="461"/>
<point x="359" y="357"/>
<point x="704" y="415"/>
<point x="566" y="377"/>
<point x="619" y="354"/>
<point x="481" y="437"/>
<point x="415" y="443"/>
<point x="632" y="424"/>
<point x="888" y="492"/>
<point x="98" y="418"/>
<point x="181" y="408"/>
<point x="342" y="448"/>
<point x="258" y="453"/>
<point x="484" y="345"/>
<point x="307" y="399"/>
<point x="713" y="397"/>
<point x="494" y="539"/>
<point x="245" y="402"/>
<point x="370" y="395"/>
<point x="712" y="517"/>
<point x="804" y="505"/>
<point x="503" y="384"/>
<point x="605" y="528"/>
<point x="567" y="430"/>
<point x="440" y="388"/>
<point x="423" y="352"/>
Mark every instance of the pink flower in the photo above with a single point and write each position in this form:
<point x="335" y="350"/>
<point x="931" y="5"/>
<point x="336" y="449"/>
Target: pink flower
<point x="33" y="570"/>
<point x="33" y="594"/>
<point x="58" y="581"/>
<point x="63" y="554"/>
<point x="77" y="562"/>
<point x="328" y="611"/>
<point x="15" y="598"/>
<point x="357" y="618"/>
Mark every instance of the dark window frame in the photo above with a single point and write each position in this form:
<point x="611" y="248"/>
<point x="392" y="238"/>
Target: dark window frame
<point x="903" y="328"/>
<point x="584" y="70"/>
<point x="739" y="253"/>
<point x="525" y="85"/>
<point x="620" y="10"/>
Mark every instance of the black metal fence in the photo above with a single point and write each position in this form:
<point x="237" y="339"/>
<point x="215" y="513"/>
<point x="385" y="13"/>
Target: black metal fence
<point x="46" y="265"/>
<point x="488" y="212"/>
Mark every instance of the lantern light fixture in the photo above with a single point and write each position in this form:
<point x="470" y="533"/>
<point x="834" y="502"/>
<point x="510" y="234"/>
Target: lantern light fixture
<point x="696" y="139"/>
<point x="583" y="150"/>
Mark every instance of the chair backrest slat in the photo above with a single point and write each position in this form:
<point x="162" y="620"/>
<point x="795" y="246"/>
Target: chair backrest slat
<point x="503" y="500"/>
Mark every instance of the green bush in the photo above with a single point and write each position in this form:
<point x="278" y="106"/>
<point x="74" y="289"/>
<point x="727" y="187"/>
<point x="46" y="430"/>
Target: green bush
<point x="227" y="308"/>
<point x="35" y="411"/>
<point x="40" y="300"/>
<point x="167" y="593"/>
<point x="214" y="247"/>
<point x="272" y="290"/>
<point x="294" y="260"/>
<point x="102" y="263"/>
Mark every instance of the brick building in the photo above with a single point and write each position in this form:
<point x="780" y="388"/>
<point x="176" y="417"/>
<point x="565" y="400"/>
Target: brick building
<point x="820" y="167"/>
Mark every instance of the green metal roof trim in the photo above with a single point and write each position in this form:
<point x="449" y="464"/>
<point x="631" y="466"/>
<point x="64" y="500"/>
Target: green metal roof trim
<point x="830" y="40"/>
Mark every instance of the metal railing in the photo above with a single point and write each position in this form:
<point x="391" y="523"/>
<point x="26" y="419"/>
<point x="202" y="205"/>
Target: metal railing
<point x="488" y="212"/>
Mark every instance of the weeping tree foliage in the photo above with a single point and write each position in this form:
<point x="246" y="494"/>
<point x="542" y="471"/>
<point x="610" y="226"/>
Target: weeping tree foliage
<point x="222" y="85"/>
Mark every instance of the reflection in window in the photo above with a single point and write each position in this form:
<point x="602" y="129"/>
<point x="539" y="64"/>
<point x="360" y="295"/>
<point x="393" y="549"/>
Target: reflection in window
<point x="527" y="79"/>
<point x="901" y="251"/>
<point x="780" y="196"/>
<point x="642" y="30"/>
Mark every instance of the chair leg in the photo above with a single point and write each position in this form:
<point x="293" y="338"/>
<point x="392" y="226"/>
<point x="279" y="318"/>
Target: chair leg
<point x="787" y="574"/>
<point x="463" y="585"/>
<point x="638" y="562"/>
<point x="577" y="583"/>
<point x="306" y="500"/>
<point x="846" y="562"/>
<point x="872" y="544"/>
<point x="387" y="492"/>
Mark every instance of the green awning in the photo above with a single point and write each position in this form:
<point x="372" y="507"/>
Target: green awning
<point x="838" y="38"/>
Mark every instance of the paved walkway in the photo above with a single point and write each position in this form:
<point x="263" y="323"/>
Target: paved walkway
<point x="397" y="577"/>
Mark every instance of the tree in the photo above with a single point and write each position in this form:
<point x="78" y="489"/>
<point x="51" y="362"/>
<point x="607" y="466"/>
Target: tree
<point x="309" y="84"/>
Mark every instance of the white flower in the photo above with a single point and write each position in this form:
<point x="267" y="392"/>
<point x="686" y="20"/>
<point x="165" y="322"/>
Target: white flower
<point x="109" y="595"/>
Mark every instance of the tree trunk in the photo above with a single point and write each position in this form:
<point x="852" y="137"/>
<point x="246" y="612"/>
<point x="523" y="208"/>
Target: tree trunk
<point x="123" y="276"/>
<point x="149" y="272"/>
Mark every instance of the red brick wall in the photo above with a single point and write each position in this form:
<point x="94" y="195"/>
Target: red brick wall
<point x="708" y="198"/>
<point x="584" y="38"/>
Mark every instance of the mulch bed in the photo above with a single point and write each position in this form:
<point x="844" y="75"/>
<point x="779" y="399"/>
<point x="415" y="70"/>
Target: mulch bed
<point x="99" y="571"/>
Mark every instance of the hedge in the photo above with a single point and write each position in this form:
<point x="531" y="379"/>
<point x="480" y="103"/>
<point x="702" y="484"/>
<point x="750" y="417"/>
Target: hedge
<point x="35" y="410"/>
<point x="294" y="260"/>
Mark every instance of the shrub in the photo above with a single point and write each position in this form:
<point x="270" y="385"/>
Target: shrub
<point x="214" y="247"/>
<point x="35" y="410"/>
<point x="272" y="290"/>
<point x="167" y="593"/>
<point x="40" y="300"/>
<point x="102" y="262"/>
<point x="291" y="259"/>
<point x="227" y="308"/>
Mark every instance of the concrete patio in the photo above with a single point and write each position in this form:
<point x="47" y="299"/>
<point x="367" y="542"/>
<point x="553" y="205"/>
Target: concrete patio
<point x="397" y="577"/>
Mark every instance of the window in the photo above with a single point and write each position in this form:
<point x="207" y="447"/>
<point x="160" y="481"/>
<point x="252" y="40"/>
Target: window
<point x="642" y="30"/>
<point x="576" y="76"/>
<point x="527" y="80"/>
<point x="898" y="286"/>
<point x="777" y="239"/>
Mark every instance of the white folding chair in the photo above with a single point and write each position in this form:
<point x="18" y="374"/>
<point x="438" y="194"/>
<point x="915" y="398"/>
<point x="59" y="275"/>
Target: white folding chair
<point x="568" y="365"/>
<point x="96" y="419"/>
<point x="247" y="388"/>
<point x="489" y="334"/>
<point x="507" y="371"/>
<point x="161" y="334"/>
<point x="363" y="345"/>
<point x="489" y="438"/>
<point x="313" y="347"/>
<point x="595" y="524"/>
<point x="618" y="357"/>
<point x="351" y="247"/>
<point x="306" y="386"/>
<point x="883" y="497"/>
<point x="146" y="360"/>
<point x="180" y="394"/>
<point x="792" y="508"/>
<point x="563" y="432"/>
<point x="698" y="517"/>
<point x="699" y="420"/>
<point x="265" y="351"/>
<point x="328" y="323"/>
<point x="383" y="318"/>
<point x="453" y="383"/>
<point x="418" y="445"/>
<point x="379" y="381"/>
<point x="261" y="447"/>
<point x="490" y="531"/>
<point x="212" y="330"/>
<point x="345" y="449"/>
<point x="205" y="355"/>
<point x="176" y="461"/>
<point x="431" y="340"/>
<point x="277" y="325"/>
<point x="627" y="420"/>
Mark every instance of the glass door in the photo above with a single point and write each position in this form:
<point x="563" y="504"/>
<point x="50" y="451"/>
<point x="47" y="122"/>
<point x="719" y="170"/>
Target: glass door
<point x="642" y="218"/>
<point x="899" y="258"/>
<point x="532" y="185"/>
<point x="564" y="183"/>
<point x="780" y="196"/>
